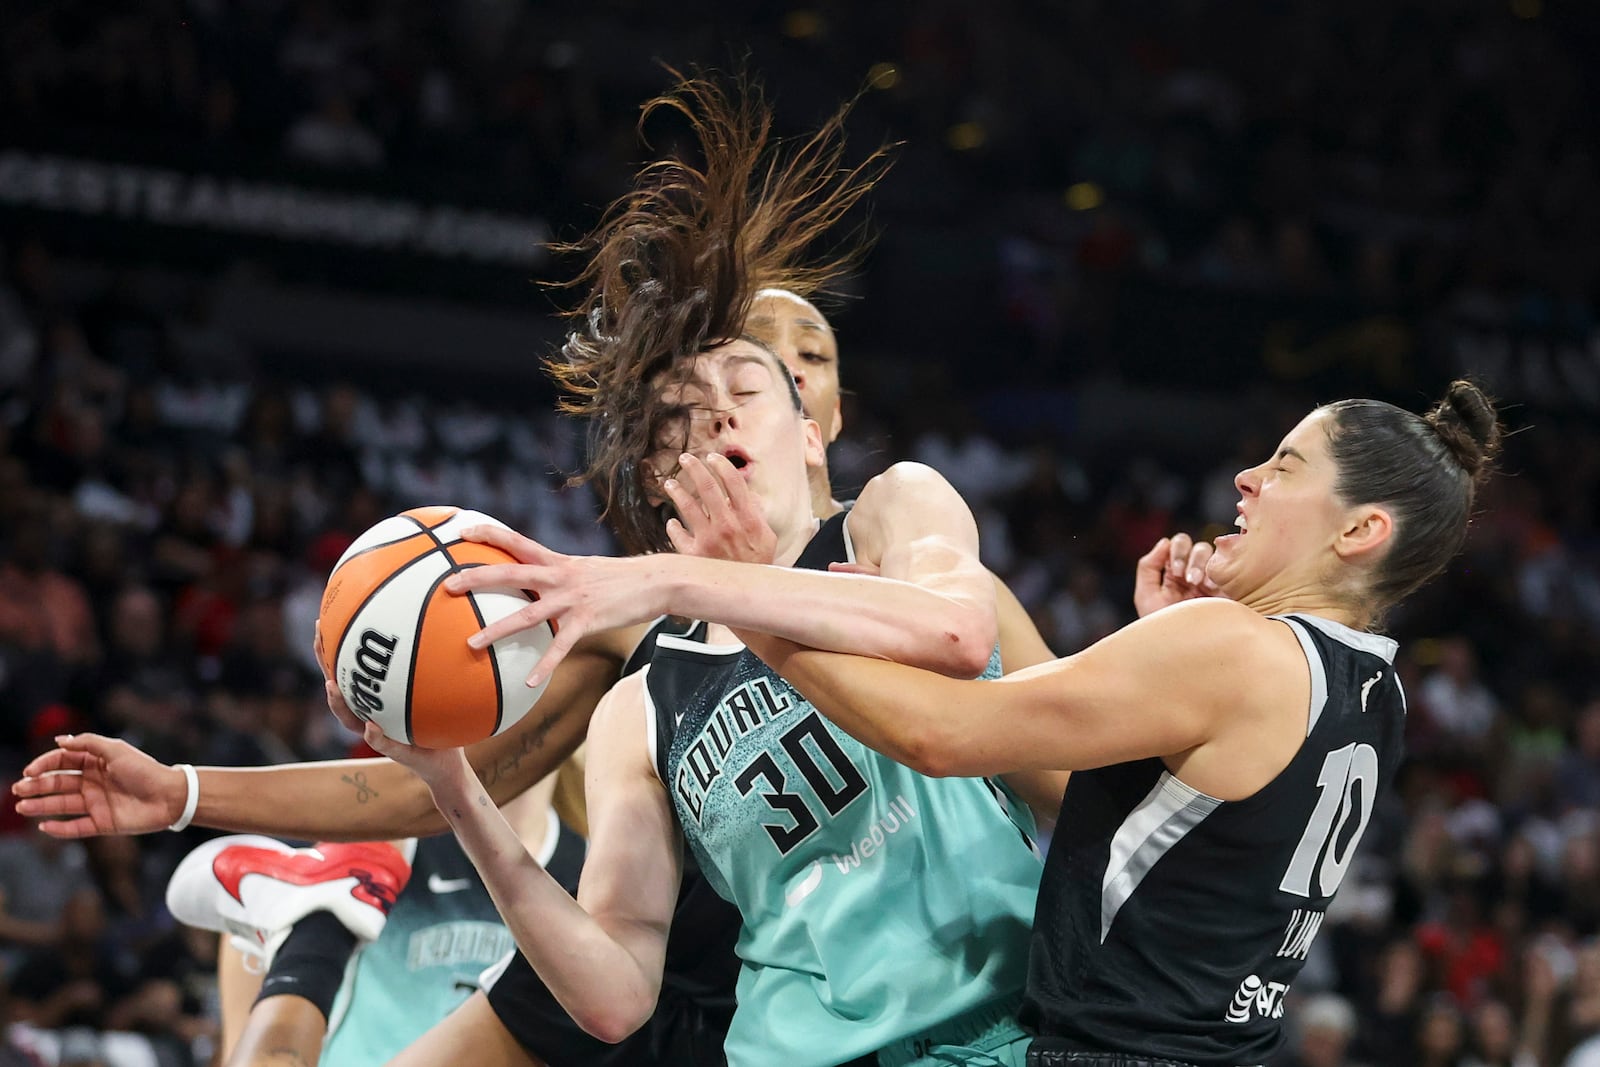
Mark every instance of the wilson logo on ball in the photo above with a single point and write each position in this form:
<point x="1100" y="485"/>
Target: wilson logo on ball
<point x="372" y="667"/>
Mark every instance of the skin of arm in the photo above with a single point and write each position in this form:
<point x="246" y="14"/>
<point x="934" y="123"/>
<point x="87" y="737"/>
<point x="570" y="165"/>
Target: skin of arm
<point x="120" y="790"/>
<point x="1200" y="684"/>
<point x="1021" y="647"/>
<point x="602" y="955"/>
<point x="932" y="606"/>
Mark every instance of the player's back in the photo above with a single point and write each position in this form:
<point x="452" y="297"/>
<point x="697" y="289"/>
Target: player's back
<point x="1171" y="924"/>
<point x="877" y="902"/>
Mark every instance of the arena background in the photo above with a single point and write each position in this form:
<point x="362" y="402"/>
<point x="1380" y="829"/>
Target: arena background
<point x="271" y="273"/>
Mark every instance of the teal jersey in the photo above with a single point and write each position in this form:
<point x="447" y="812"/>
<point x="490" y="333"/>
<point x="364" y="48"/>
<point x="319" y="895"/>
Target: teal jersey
<point x="877" y="903"/>
<point x="443" y="933"/>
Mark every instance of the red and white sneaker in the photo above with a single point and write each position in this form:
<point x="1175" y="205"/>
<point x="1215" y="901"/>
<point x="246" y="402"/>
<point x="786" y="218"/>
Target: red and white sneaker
<point x="255" y="888"/>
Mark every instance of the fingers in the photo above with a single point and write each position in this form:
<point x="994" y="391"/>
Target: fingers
<point x="854" y="568"/>
<point x="524" y="548"/>
<point x="565" y="638"/>
<point x="1199" y="560"/>
<point x="494" y="576"/>
<point x="69" y="829"/>
<point x="1178" y="556"/>
<point x="381" y="742"/>
<point x="682" y="541"/>
<point x="537" y="612"/>
<point x="341" y="709"/>
<point x="49" y="783"/>
<point x="54" y="805"/>
<point x="74" y="753"/>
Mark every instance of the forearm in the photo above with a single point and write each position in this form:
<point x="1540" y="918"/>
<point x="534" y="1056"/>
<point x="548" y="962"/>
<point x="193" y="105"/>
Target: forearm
<point x="868" y="616"/>
<point x="378" y="799"/>
<point x="869" y="700"/>
<point x="334" y="800"/>
<point x="598" y="970"/>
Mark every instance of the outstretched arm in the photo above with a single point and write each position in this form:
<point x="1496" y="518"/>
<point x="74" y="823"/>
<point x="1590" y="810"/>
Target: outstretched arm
<point x="930" y="604"/>
<point x="601" y="955"/>
<point x="92" y="785"/>
<point x="1158" y="687"/>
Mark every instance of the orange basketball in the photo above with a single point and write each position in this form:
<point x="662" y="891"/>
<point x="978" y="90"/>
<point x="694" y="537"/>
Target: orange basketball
<point x="396" y="642"/>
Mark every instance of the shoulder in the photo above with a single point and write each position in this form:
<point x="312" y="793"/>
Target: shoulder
<point x="1212" y="635"/>
<point x="910" y="498"/>
<point x="903" y="479"/>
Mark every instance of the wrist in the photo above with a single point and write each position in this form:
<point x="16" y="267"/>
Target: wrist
<point x="660" y="582"/>
<point x="190" y="797"/>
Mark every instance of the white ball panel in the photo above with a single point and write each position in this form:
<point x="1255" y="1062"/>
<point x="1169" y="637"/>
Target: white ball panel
<point x="386" y="532"/>
<point x="450" y="530"/>
<point x="515" y="656"/>
<point x="373" y="663"/>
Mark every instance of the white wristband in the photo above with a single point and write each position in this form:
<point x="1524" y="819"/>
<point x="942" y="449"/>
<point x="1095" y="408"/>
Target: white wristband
<point x="192" y="780"/>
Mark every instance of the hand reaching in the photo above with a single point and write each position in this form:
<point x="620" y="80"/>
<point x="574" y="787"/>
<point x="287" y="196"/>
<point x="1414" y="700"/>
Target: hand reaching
<point x="1172" y="571"/>
<point x="718" y="516"/>
<point x="578" y="595"/>
<point x="435" y="766"/>
<point x="92" y="785"/>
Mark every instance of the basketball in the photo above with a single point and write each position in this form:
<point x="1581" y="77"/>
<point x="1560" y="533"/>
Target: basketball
<point x="395" y="641"/>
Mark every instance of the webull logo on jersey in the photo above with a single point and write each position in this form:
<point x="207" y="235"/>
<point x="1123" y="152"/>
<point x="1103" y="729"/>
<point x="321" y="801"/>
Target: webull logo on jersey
<point x="741" y="711"/>
<point x="899" y="814"/>
<point x="1256" y="997"/>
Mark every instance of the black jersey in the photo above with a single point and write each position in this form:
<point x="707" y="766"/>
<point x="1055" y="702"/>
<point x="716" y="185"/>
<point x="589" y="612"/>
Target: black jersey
<point x="691" y="1018"/>
<point x="1171" y="924"/>
<point x="700" y="959"/>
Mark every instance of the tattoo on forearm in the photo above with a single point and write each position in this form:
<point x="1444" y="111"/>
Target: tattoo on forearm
<point x="531" y="740"/>
<point x="364" y="792"/>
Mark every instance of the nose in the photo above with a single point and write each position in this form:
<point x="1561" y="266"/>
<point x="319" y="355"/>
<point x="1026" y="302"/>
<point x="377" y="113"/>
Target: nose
<point x="1247" y="481"/>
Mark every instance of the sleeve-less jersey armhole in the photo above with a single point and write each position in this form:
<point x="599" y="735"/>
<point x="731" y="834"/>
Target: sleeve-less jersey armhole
<point x="651" y="730"/>
<point x="1319" y="674"/>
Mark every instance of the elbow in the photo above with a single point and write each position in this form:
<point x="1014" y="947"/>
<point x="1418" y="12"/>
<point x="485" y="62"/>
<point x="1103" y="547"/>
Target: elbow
<point x="926" y="750"/>
<point x="615" y="1019"/>
<point x="965" y="651"/>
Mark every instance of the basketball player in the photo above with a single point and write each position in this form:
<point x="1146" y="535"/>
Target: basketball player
<point x="439" y="932"/>
<point x="866" y="932"/>
<point x="122" y="791"/>
<point x="1225" y="754"/>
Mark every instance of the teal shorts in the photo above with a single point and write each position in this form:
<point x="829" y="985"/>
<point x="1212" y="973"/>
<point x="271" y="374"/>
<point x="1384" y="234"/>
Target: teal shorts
<point x="985" y="1037"/>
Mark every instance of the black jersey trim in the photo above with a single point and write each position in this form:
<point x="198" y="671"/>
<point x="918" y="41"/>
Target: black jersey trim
<point x="1164" y="817"/>
<point x="1319" y="670"/>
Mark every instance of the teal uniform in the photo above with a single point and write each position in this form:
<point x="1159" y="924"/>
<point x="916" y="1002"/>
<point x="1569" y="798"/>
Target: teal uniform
<point x="886" y="914"/>
<point x="443" y="933"/>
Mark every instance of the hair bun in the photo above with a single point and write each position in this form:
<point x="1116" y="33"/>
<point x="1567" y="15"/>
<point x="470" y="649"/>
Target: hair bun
<point x="1467" y="423"/>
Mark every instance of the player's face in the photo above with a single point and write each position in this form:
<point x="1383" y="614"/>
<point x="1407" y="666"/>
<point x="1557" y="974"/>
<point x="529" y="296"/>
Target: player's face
<point x="735" y="402"/>
<point x="802" y="338"/>
<point x="1289" y="517"/>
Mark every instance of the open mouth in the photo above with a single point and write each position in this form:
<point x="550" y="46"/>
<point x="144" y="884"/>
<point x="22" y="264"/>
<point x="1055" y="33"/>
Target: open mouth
<point x="739" y="460"/>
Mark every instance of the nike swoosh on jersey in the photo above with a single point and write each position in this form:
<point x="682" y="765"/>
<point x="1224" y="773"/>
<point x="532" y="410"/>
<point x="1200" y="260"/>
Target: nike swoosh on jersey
<point x="448" y="885"/>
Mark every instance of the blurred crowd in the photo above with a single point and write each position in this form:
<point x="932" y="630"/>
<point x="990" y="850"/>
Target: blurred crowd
<point x="169" y="508"/>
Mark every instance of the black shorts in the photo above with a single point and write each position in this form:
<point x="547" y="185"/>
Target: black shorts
<point x="683" y="1032"/>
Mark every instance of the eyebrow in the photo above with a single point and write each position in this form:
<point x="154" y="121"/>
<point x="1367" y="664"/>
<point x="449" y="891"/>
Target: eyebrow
<point x="1288" y="453"/>
<point x="805" y="324"/>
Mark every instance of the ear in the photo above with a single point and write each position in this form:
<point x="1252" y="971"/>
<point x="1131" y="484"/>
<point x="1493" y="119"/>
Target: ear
<point x="816" y="451"/>
<point x="838" y="420"/>
<point x="1368" y="529"/>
